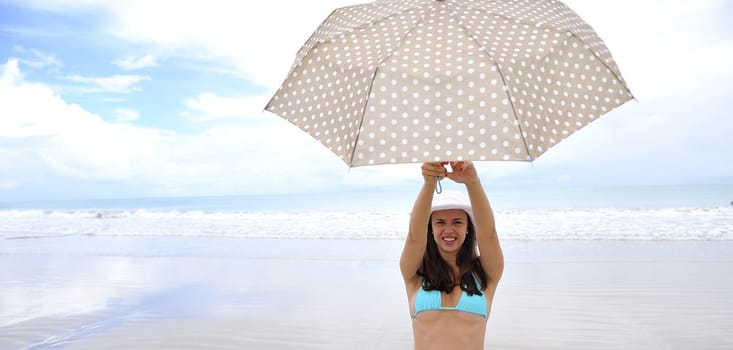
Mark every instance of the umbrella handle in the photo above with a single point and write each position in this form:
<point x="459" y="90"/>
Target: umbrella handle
<point x="438" y="187"/>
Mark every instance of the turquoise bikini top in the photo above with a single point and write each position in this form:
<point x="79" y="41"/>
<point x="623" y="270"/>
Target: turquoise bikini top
<point x="431" y="300"/>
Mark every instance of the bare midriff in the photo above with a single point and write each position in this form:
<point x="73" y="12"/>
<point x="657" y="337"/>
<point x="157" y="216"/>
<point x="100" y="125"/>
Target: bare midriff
<point x="448" y="329"/>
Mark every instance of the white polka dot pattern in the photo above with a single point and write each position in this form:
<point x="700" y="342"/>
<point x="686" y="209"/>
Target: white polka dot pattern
<point x="429" y="80"/>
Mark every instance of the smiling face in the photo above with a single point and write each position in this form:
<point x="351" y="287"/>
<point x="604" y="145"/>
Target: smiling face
<point x="449" y="229"/>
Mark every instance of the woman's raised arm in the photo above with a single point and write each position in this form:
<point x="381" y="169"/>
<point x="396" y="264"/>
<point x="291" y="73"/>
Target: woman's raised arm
<point x="492" y="257"/>
<point x="412" y="253"/>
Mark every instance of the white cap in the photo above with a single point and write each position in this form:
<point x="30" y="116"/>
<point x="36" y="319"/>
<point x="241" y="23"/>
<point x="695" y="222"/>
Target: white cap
<point x="452" y="200"/>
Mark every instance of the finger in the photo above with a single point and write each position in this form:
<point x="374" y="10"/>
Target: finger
<point x="433" y="169"/>
<point x="458" y="166"/>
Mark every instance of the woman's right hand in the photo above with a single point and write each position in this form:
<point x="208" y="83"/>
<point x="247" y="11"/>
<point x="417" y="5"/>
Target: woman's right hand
<point x="432" y="170"/>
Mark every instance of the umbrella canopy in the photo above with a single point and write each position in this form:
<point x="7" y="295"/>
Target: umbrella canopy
<point x="411" y="81"/>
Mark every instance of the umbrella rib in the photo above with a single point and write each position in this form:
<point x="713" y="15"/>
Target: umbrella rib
<point x="617" y="76"/>
<point x="376" y="70"/>
<point x="603" y="62"/>
<point x="514" y="111"/>
<point x="503" y="80"/>
<point x="382" y="45"/>
<point x="361" y="120"/>
<point x="546" y="25"/>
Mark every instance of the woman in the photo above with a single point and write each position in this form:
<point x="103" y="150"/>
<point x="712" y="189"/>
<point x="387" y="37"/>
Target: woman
<point x="450" y="286"/>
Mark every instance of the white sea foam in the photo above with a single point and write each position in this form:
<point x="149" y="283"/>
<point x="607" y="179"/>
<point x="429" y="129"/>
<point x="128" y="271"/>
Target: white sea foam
<point x="532" y="224"/>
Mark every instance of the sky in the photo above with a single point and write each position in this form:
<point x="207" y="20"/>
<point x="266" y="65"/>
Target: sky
<point x="138" y="98"/>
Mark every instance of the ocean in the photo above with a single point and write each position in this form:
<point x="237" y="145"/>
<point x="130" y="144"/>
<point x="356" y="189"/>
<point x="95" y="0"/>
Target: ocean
<point x="612" y="213"/>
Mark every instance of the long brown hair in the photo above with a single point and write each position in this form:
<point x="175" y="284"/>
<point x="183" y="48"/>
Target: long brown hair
<point x="437" y="274"/>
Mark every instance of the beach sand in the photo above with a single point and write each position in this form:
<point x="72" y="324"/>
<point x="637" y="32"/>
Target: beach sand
<point x="86" y="292"/>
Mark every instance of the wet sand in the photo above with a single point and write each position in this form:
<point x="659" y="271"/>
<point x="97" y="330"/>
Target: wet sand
<point x="84" y="292"/>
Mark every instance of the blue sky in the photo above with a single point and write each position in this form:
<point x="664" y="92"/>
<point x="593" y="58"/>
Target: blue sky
<point x="103" y="99"/>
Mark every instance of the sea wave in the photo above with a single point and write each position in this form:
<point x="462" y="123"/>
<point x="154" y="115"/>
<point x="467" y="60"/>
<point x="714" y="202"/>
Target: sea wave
<point x="527" y="224"/>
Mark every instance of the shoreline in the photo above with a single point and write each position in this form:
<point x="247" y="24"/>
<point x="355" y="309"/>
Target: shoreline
<point x="146" y="292"/>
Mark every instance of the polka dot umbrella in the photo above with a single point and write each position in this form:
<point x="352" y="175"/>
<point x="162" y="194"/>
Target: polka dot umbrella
<point x="408" y="81"/>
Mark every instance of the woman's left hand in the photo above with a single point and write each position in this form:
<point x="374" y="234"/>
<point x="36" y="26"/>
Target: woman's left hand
<point x="463" y="172"/>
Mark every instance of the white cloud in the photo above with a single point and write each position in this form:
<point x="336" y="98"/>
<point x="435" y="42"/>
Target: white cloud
<point x="672" y="65"/>
<point x="67" y="138"/>
<point x="133" y="63"/>
<point x="126" y="115"/>
<point x="208" y="106"/>
<point x="656" y="39"/>
<point x="122" y="84"/>
<point x="663" y="48"/>
<point x="11" y="74"/>
<point x="42" y="134"/>
<point x="260" y="43"/>
<point x="38" y="59"/>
